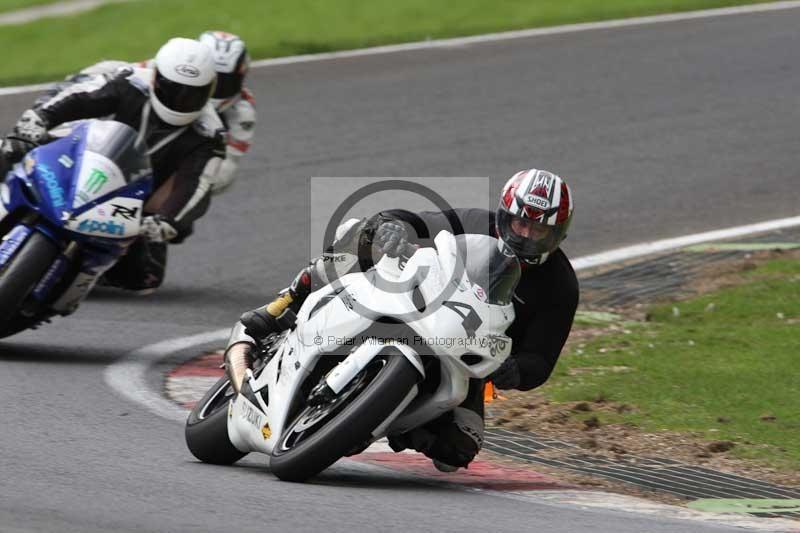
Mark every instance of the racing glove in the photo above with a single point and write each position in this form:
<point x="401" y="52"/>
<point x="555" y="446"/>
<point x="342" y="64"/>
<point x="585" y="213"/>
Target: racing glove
<point x="13" y="149"/>
<point x="391" y="238"/>
<point x="155" y="228"/>
<point x="31" y="127"/>
<point x="261" y="323"/>
<point x="508" y="375"/>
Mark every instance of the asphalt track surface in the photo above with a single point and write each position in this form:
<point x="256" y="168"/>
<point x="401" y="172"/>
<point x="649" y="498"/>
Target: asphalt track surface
<point x="662" y="130"/>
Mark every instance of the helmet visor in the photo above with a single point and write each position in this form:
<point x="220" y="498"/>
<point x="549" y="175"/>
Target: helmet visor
<point x="179" y="97"/>
<point x="528" y="237"/>
<point x="228" y="85"/>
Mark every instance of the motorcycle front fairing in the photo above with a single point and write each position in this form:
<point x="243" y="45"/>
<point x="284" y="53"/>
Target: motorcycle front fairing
<point x="332" y="319"/>
<point x="87" y="187"/>
<point x="280" y="382"/>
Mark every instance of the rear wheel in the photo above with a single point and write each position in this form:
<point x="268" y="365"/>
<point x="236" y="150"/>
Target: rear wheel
<point x="21" y="275"/>
<point x="322" y="434"/>
<point x="207" y="426"/>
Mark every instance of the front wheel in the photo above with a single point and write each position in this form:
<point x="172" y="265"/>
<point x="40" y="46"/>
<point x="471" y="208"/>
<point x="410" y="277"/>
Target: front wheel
<point x="207" y="426"/>
<point x="21" y="275"/>
<point x="322" y="434"/>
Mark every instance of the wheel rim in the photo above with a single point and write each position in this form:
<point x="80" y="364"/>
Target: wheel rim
<point x="312" y="418"/>
<point x="218" y="400"/>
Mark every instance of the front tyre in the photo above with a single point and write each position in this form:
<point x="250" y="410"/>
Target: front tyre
<point x="321" y="435"/>
<point x="21" y="275"/>
<point x="207" y="426"/>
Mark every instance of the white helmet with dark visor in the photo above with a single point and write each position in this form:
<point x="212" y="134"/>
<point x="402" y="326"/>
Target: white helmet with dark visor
<point x="183" y="81"/>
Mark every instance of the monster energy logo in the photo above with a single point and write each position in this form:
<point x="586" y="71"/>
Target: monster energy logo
<point x="97" y="178"/>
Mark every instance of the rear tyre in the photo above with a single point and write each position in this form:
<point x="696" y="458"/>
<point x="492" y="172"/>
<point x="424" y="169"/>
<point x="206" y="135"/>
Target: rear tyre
<point x="21" y="275"/>
<point x="321" y="435"/>
<point x="207" y="426"/>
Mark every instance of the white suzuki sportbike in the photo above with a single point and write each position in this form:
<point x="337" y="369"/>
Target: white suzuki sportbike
<point x="372" y="354"/>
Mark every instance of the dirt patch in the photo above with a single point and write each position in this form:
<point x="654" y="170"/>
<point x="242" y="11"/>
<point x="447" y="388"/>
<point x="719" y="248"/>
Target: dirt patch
<point x="580" y="423"/>
<point x="726" y="274"/>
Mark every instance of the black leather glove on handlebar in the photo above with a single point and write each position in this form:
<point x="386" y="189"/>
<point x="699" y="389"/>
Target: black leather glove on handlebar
<point x="508" y="375"/>
<point x="13" y="149"/>
<point x="392" y="238"/>
<point x="259" y="324"/>
<point x="31" y="127"/>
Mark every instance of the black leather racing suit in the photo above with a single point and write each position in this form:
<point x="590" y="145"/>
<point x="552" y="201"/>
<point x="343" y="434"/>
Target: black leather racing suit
<point x="544" y="303"/>
<point x="178" y="156"/>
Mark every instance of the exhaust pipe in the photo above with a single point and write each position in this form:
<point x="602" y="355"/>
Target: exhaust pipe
<point x="237" y="361"/>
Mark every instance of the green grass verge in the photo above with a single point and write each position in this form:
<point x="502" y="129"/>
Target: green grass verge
<point x="716" y="366"/>
<point x="54" y="47"/>
<point x="12" y="5"/>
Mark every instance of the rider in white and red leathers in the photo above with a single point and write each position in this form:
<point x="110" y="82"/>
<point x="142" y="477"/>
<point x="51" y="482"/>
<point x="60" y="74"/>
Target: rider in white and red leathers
<point x="234" y="103"/>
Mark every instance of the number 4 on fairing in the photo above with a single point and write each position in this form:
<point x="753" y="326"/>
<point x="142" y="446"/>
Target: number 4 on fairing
<point x="470" y="320"/>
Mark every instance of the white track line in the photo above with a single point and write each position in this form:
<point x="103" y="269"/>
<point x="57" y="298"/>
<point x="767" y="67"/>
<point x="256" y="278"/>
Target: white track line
<point x="647" y="248"/>
<point x="24" y="89"/>
<point x="127" y="376"/>
<point x="494" y="37"/>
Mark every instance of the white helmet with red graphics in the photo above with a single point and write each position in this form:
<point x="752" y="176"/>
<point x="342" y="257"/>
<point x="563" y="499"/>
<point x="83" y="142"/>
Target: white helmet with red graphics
<point x="534" y="214"/>
<point x="232" y="63"/>
<point x="183" y="81"/>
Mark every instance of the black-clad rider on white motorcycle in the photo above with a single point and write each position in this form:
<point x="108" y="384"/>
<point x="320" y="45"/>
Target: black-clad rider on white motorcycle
<point x="532" y="219"/>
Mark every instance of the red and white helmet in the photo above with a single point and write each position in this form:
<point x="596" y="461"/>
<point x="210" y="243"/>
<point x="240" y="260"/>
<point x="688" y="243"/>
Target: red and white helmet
<point x="534" y="214"/>
<point x="231" y="61"/>
<point x="183" y="81"/>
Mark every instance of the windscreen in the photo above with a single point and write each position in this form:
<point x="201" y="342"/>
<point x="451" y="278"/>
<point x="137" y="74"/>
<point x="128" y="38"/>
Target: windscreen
<point x="116" y="142"/>
<point x="493" y="274"/>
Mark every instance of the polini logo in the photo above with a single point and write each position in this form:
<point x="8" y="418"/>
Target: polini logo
<point x="95" y="226"/>
<point x="53" y="187"/>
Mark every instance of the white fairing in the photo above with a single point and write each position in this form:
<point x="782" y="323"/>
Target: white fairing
<point x="118" y="218"/>
<point x="331" y="318"/>
<point x="97" y="177"/>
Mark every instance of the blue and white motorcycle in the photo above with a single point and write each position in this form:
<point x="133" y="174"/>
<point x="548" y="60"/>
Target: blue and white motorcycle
<point x="68" y="211"/>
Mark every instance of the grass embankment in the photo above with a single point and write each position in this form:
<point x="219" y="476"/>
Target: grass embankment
<point x="54" y="47"/>
<point x="725" y="365"/>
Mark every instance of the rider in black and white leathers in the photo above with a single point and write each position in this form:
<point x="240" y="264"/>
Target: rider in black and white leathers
<point x="179" y="155"/>
<point x="234" y="106"/>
